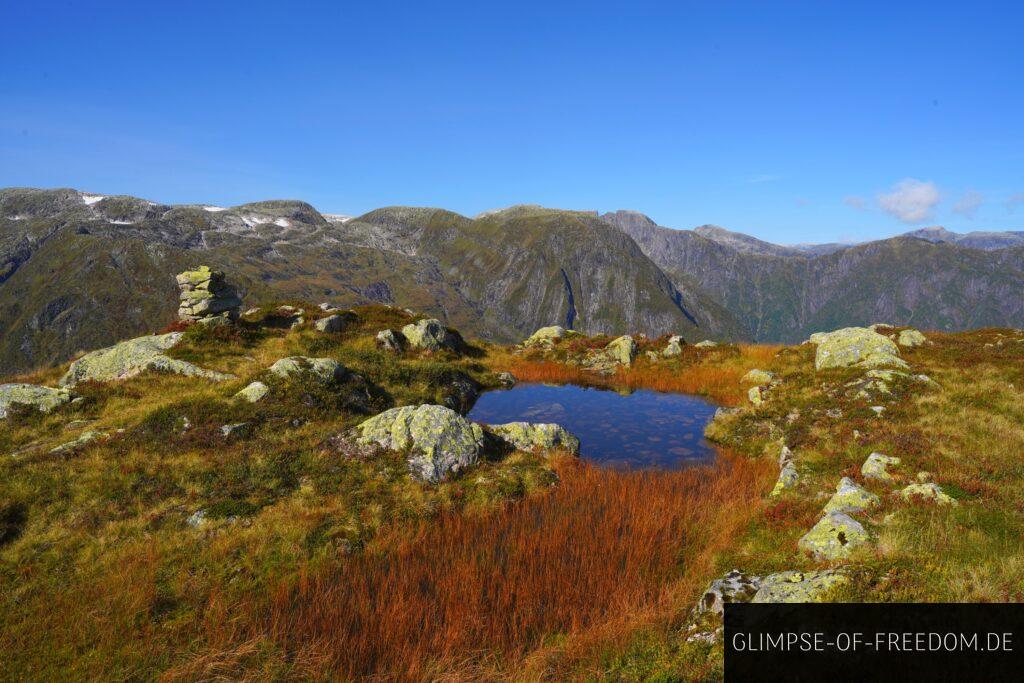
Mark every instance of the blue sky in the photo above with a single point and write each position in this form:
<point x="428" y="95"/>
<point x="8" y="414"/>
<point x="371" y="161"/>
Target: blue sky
<point x="794" y="122"/>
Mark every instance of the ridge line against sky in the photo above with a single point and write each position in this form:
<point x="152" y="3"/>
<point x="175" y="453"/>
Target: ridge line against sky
<point x="794" y="122"/>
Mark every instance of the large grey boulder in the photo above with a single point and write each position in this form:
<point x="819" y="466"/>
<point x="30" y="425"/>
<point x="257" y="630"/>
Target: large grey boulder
<point x="133" y="357"/>
<point x="856" y="346"/>
<point x="547" y="336"/>
<point x="389" y="340"/>
<point x="206" y="295"/>
<point x="43" y="399"/>
<point x="253" y="392"/>
<point x="622" y="350"/>
<point x="322" y="369"/>
<point x="674" y="346"/>
<point x="431" y="335"/>
<point x="438" y="442"/>
<point x="332" y="323"/>
<point x="526" y="436"/>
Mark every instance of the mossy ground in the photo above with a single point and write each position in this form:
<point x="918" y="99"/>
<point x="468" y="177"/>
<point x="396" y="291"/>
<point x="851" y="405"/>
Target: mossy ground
<point x="101" y="574"/>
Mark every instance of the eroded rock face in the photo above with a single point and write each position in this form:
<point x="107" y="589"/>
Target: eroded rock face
<point x="834" y="537"/>
<point x="928" y="491"/>
<point x="851" y="498"/>
<point x="323" y="369"/>
<point x="438" y="441"/>
<point x="910" y="338"/>
<point x="622" y="350"/>
<point x="43" y="399"/>
<point x="431" y="335"/>
<point x="856" y="346"/>
<point x="796" y="586"/>
<point x="133" y="357"/>
<point x="525" y="436"/>
<point x="205" y="295"/>
<point x="877" y="467"/>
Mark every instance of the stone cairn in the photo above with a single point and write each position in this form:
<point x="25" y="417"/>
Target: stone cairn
<point x="207" y="297"/>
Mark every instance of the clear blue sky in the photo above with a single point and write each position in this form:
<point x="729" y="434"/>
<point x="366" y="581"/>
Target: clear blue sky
<point x="784" y="120"/>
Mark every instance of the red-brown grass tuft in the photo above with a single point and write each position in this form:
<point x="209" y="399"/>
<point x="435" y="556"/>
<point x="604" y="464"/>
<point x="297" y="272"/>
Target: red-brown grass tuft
<point x="599" y="549"/>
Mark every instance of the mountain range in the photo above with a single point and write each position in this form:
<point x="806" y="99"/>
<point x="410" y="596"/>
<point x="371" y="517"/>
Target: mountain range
<point x="81" y="270"/>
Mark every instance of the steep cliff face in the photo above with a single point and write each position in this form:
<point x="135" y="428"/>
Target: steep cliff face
<point x="902" y="280"/>
<point x="78" y="271"/>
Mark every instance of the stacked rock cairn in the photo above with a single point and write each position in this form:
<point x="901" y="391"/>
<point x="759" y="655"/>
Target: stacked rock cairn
<point x="207" y="297"/>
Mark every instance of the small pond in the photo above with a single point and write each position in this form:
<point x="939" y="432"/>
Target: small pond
<point x="636" y="430"/>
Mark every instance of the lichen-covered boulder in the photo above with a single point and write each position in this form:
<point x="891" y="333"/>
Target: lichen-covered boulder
<point x="877" y="467"/>
<point x="928" y="491"/>
<point x="253" y="392"/>
<point x="798" y="587"/>
<point x="674" y="347"/>
<point x="439" y="442"/>
<point x="857" y="346"/>
<point x="431" y="335"/>
<point x="389" y="340"/>
<point x="525" y="436"/>
<point x="133" y="357"/>
<point x="757" y="395"/>
<point x="332" y="323"/>
<point x="323" y="369"/>
<point x="706" y="344"/>
<point x="546" y="336"/>
<point x="622" y="350"/>
<point x="758" y="377"/>
<point x="43" y="399"/>
<point x="735" y="586"/>
<point x="458" y="391"/>
<point x="788" y="478"/>
<point x="850" y="498"/>
<point x="834" y="537"/>
<point x="910" y="338"/>
<point x="507" y="379"/>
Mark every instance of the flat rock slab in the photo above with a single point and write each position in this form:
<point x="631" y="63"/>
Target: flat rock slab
<point x="43" y="399"/>
<point x="133" y="357"/>
<point x="796" y="586"/>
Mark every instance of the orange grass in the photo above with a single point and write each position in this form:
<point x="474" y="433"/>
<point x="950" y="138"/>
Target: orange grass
<point x="461" y="592"/>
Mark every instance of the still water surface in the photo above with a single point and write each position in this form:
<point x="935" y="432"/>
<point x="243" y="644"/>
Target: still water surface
<point x="641" y="429"/>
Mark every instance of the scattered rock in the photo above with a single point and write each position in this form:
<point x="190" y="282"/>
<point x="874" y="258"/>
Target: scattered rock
<point x="525" y="436"/>
<point x="924" y="477"/>
<point x="458" y="391"/>
<point x="84" y="439"/>
<point x="332" y="323"/>
<point x="133" y="357"/>
<point x="43" y="399"/>
<point x="706" y="344"/>
<point x="652" y="356"/>
<point x="788" y="479"/>
<point x="205" y="295"/>
<point x="834" y="413"/>
<point x="757" y="395"/>
<point x="674" y="347"/>
<point x="706" y="637"/>
<point x="506" y="379"/>
<point x="253" y="392"/>
<point x="431" y="335"/>
<point x="324" y="369"/>
<point x="389" y="340"/>
<point x="927" y="491"/>
<point x="196" y="519"/>
<point x="911" y="338"/>
<point x="856" y="346"/>
<point x="440" y="443"/>
<point x="546" y="336"/>
<point x="876" y="467"/>
<point x="877" y="410"/>
<point x="237" y="428"/>
<point x="785" y="455"/>
<point x="622" y="350"/>
<point x="759" y="378"/>
<point x="798" y="587"/>
<point x="850" y="498"/>
<point x="834" y="537"/>
<point x="735" y="586"/>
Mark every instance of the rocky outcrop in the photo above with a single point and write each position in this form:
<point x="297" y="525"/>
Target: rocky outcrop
<point x="431" y="335"/>
<point x="911" y="338"/>
<point x="458" y="391"/>
<point x="321" y="369"/>
<point x="206" y="296"/>
<point x="706" y="344"/>
<point x="856" y="346"/>
<point x="734" y="586"/>
<point x="877" y="467"/>
<point x="438" y="442"/>
<point x="622" y="350"/>
<point x="834" y="537"/>
<point x="133" y="357"/>
<point x="43" y="399"/>
<point x="799" y="587"/>
<point x="389" y="340"/>
<point x="332" y="323"/>
<point x="526" y="436"/>
<point x="546" y="336"/>
<point x="929" y="491"/>
<point x="84" y="439"/>
<point x="850" y="498"/>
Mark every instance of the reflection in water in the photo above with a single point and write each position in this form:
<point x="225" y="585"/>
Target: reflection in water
<point x="642" y="429"/>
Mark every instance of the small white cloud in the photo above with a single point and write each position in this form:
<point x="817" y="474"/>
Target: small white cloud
<point x="765" y="178"/>
<point x="969" y="203"/>
<point x="911" y="200"/>
<point x="1013" y="201"/>
<point x="855" y="202"/>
